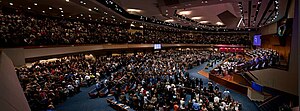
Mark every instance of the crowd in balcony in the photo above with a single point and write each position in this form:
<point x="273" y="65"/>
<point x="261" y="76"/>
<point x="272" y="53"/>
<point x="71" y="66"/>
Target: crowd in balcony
<point x="24" y="29"/>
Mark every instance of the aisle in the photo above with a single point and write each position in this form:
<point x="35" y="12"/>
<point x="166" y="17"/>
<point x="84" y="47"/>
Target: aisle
<point x="82" y="102"/>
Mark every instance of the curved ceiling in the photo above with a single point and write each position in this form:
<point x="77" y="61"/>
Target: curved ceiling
<point x="254" y="13"/>
<point x="231" y="13"/>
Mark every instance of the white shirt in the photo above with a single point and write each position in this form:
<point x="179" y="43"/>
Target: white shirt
<point x="216" y="99"/>
<point x="182" y="104"/>
<point x="87" y="77"/>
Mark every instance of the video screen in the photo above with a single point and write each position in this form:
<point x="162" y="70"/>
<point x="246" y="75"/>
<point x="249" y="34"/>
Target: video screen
<point x="257" y="40"/>
<point x="157" y="46"/>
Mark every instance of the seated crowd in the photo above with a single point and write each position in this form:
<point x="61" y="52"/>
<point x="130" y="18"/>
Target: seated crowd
<point x="150" y="79"/>
<point x="261" y="58"/>
<point x="256" y="59"/>
<point x="27" y="29"/>
<point x="46" y="84"/>
<point x="161" y="82"/>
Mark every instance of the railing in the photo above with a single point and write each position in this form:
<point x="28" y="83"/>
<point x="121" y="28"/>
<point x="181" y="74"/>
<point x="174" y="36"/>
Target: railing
<point x="247" y="78"/>
<point x="252" y="75"/>
<point x="268" y="101"/>
<point x="234" y="86"/>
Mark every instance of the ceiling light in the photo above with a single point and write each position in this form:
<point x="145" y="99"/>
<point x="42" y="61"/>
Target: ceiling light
<point x="169" y="20"/>
<point x="90" y="16"/>
<point x="60" y="8"/>
<point x="81" y="15"/>
<point x="203" y="22"/>
<point x="84" y="3"/>
<point x="28" y="8"/>
<point x="81" y="1"/>
<point x="70" y="16"/>
<point x="105" y="13"/>
<point x="43" y="11"/>
<point x="62" y="15"/>
<point x="241" y="20"/>
<point x="185" y="12"/>
<point x="141" y="26"/>
<point x="276" y="7"/>
<point x="62" y="11"/>
<point x="50" y="8"/>
<point x="90" y="9"/>
<point x="131" y="25"/>
<point x="219" y="23"/>
<point x="196" y="18"/>
<point x="11" y="3"/>
<point x="77" y="17"/>
<point x="133" y="10"/>
<point x="35" y="4"/>
<point x="67" y="0"/>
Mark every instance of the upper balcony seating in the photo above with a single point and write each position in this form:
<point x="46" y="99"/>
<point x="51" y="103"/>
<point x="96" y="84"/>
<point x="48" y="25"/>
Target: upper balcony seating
<point x="20" y="30"/>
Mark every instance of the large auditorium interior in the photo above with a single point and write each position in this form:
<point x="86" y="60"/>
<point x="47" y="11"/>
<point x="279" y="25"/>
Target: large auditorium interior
<point x="149" y="55"/>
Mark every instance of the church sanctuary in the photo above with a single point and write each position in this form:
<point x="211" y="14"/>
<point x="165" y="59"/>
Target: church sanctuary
<point x="149" y="55"/>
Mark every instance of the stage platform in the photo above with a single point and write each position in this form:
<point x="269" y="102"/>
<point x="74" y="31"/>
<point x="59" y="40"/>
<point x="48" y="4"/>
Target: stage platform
<point x="235" y="82"/>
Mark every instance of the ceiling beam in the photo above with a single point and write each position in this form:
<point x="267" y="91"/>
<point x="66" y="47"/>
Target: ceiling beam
<point x="249" y="12"/>
<point x="265" y="12"/>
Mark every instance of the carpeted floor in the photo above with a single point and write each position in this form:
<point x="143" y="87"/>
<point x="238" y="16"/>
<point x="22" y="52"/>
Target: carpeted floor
<point x="82" y="102"/>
